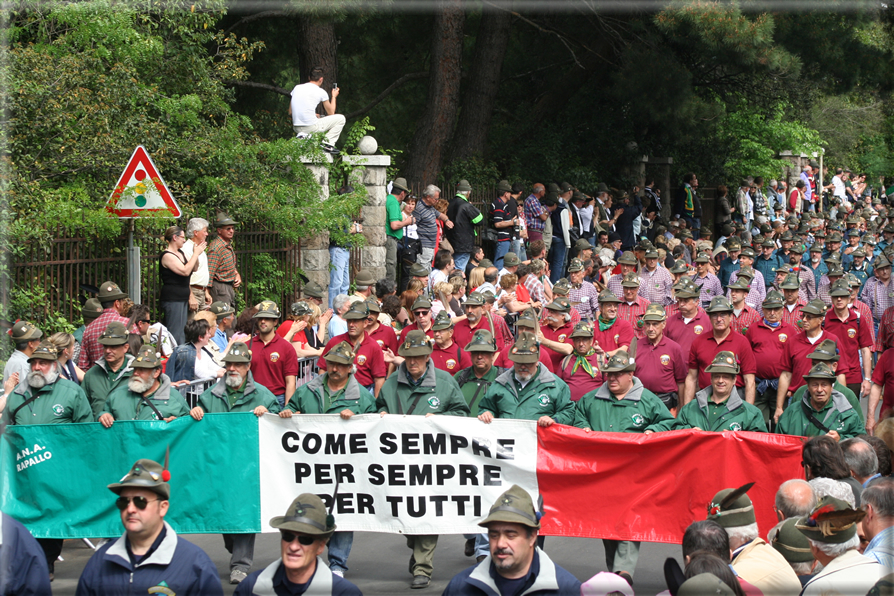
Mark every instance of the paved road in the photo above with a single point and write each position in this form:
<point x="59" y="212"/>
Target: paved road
<point x="379" y="562"/>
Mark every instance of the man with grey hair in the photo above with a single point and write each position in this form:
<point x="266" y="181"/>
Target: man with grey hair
<point x="337" y="325"/>
<point x="878" y="525"/>
<point x="427" y="217"/>
<point x="827" y="487"/>
<point x="795" y="498"/>
<point x="861" y="460"/>
<point x="199" y="281"/>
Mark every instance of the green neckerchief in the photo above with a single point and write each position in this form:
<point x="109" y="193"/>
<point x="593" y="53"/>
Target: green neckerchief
<point x="603" y="326"/>
<point x="233" y="395"/>
<point x="584" y="363"/>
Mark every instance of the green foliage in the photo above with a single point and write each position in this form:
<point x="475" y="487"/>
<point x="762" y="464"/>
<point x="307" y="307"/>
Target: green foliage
<point x="31" y="306"/>
<point x="476" y="170"/>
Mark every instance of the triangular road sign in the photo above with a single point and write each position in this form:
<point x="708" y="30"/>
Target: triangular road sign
<point x="141" y="191"/>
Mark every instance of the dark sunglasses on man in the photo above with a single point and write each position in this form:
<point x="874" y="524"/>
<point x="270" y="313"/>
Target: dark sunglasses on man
<point x="138" y="502"/>
<point x="303" y="539"/>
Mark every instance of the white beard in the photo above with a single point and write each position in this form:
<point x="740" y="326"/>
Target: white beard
<point x="234" y="380"/>
<point x="138" y="385"/>
<point x="39" y="380"/>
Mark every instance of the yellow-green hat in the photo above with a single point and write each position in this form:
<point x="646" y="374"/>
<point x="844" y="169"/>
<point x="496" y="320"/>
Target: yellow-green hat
<point x="620" y="362"/>
<point x="724" y="362"/>
<point x="832" y="521"/>
<point x="525" y="349"/>
<point x="147" y="357"/>
<point x="416" y="343"/>
<point x="146" y="474"/>
<point x="25" y="331"/>
<point x="791" y="543"/>
<point x="655" y="312"/>
<point x="608" y="296"/>
<point x="515" y="506"/>
<point x="239" y="352"/>
<point x="732" y="508"/>
<point x="527" y="318"/>
<point x="46" y="350"/>
<point x="719" y="304"/>
<point x="482" y="341"/>
<point x="342" y="353"/>
<point x="109" y="291"/>
<point x="358" y="310"/>
<point x="821" y="370"/>
<point x="773" y="300"/>
<point x="630" y="280"/>
<point x="307" y="514"/>
<point x="115" y="334"/>
<point x="267" y="310"/>
<point x="582" y="329"/>
<point x="442" y="321"/>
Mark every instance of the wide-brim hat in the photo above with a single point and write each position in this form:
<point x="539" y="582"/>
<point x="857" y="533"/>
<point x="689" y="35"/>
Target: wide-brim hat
<point x="109" y="291"/>
<point x="502" y="186"/>
<point x="620" y="362"/>
<point x="400" y="184"/>
<point x="417" y="270"/>
<point x="608" y="296"/>
<point x="827" y="350"/>
<point x="719" y="304"/>
<point x="423" y="302"/>
<point x="575" y="265"/>
<point x="238" y="352"/>
<point x="582" y="329"/>
<point x="364" y="279"/>
<point x="145" y="474"/>
<point x="474" y="299"/>
<point x="821" y="370"/>
<point x="357" y="311"/>
<point x="115" y="334"/>
<point x="791" y="543"/>
<point x="307" y="515"/>
<point x="655" y="313"/>
<point x="482" y="341"/>
<point x="147" y="357"/>
<point x="814" y="307"/>
<point x="840" y="288"/>
<point x="223" y="309"/>
<point x="223" y="220"/>
<point x="560" y="304"/>
<point x="299" y="309"/>
<point x="342" y="353"/>
<point x="515" y="506"/>
<point x="313" y="289"/>
<point x="680" y="266"/>
<point x="773" y="300"/>
<point x="46" y="350"/>
<point x="580" y="245"/>
<point x="527" y="318"/>
<point x="627" y="258"/>
<point x="631" y="280"/>
<point x="442" y="322"/>
<point x="416" y="343"/>
<point x="832" y="521"/>
<point x="732" y="508"/>
<point x="702" y="584"/>
<point x="525" y="349"/>
<point x="724" y="362"/>
<point x="25" y="331"/>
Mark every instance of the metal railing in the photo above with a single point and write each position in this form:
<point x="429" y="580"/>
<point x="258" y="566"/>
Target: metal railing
<point x="307" y="371"/>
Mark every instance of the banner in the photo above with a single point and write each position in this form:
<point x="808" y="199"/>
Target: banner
<point x="397" y="474"/>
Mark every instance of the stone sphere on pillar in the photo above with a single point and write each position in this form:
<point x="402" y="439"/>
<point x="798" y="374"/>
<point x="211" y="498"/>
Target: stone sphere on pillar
<point x="367" y="145"/>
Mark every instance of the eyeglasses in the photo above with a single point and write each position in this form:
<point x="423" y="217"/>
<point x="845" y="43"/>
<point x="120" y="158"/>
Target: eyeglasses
<point x="138" y="502"/>
<point x="146" y="321"/>
<point x="303" y="539"/>
<point x="421" y="313"/>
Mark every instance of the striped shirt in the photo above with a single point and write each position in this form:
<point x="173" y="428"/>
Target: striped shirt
<point x="221" y="261"/>
<point x="585" y="299"/>
<point x="426" y="223"/>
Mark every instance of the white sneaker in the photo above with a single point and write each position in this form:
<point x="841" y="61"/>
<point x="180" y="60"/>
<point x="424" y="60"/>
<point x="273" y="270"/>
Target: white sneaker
<point x="338" y="572"/>
<point x="302" y="135"/>
<point x="237" y="575"/>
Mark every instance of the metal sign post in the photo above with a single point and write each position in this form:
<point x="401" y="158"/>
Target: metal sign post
<point x="134" y="283"/>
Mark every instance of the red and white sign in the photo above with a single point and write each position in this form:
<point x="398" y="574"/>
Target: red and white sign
<point x="141" y="191"/>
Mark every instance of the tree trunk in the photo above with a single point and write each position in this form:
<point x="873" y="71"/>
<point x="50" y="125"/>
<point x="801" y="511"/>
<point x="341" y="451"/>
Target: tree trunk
<point x="317" y="46"/>
<point x="482" y="86"/>
<point x="435" y="126"/>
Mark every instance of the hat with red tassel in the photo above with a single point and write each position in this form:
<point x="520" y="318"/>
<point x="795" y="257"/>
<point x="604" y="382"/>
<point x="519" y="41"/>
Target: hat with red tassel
<point x="146" y="474"/>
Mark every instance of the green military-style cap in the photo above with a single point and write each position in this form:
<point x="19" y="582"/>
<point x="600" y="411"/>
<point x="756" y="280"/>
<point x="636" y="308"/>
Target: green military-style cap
<point x="889" y="228"/>
<point x="835" y="236"/>
<point x="627" y="258"/>
<point x="820" y="234"/>
<point x="307" y="515"/>
<point x="784" y="269"/>
<point x="821" y="370"/>
<point x="223" y="220"/>
<point x="719" y="304"/>
<point x="833" y="258"/>
<point x="442" y="321"/>
<point x="826" y="351"/>
<point x="486" y="263"/>
<point x="416" y="343"/>
<point x="417" y="270"/>
<point x="300" y="309"/>
<point x="832" y="521"/>
<point x="853" y="233"/>
<point x="482" y="341"/>
<point x="816" y="248"/>
<point x="364" y="279"/>
<point x="859" y="253"/>
<point x="560" y="304"/>
<point x="853" y="281"/>
<point x="608" y="296"/>
<point x="464" y="186"/>
<point x="620" y="362"/>
<point x="791" y="282"/>
<point x="373" y="305"/>
<point x="814" y="307"/>
<point x="745" y="272"/>
<point x="786" y="236"/>
<point x="651" y="253"/>
<point x="358" y="310"/>
<point x="110" y="291"/>
<point x="840" y="288"/>
<point x="146" y="474"/>
<point x="791" y="543"/>
<point x="267" y="310"/>
<point x="703" y="257"/>
<point x="724" y="362"/>
<point x="562" y="287"/>
<point x="25" y="331"/>
<point x="582" y="329"/>
<point x="655" y="312"/>
<point x="732" y="508"/>
<point x="147" y="357"/>
<point x="644" y="244"/>
<point x="489" y="296"/>
<point x="239" y="352"/>
<point x="313" y="289"/>
<point x="515" y="506"/>
<point x="575" y="265"/>
<point x="870" y="239"/>
<point x="474" y="299"/>
<point x="733" y="244"/>
<point x="704" y="584"/>
<point x="684" y="233"/>
<point x="768" y="243"/>
<point x="741" y="283"/>
<point x="511" y="260"/>
<point x="91" y="310"/>
<point x="525" y="349"/>
<point x="45" y="350"/>
<point x="835" y="270"/>
<point x="773" y="300"/>
<point x="115" y="334"/>
<point x="680" y="266"/>
<point x="797" y="248"/>
<point x="342" y="353"/>
<point x="748" y="252"/>
<point x="424" y="302"/>
<point x="527" y="318"/>
<point x="686" y="288"/>
<point x="881" y="261"/>
<point x="631" y="280"/>
<point x="223" y="309"/>
<point x="582" y="244"/>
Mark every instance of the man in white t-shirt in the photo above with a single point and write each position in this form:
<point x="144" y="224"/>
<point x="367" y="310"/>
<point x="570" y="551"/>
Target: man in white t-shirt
<point x="303" y="106"/>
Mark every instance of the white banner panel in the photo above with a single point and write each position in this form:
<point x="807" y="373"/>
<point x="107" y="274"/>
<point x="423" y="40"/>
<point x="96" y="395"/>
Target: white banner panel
<point x="397" y="474"/>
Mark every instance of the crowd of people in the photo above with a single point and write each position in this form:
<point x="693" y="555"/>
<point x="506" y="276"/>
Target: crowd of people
<point x="593" y="312"/>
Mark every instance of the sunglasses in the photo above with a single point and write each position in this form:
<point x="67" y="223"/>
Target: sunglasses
<point x="146" y="321"/>
<point x="422" y="313"/>
<point x="138" y="502"/>
<point x="303" y="539"/>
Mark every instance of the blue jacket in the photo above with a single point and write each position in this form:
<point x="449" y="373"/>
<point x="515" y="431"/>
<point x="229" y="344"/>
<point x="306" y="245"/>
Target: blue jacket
<point x="181" y="365"/>
<point x="269" y="582"/>
<point x="768" y="267"/>
<point x="23" y="565"/>
<point x="727" y="268"/>
<point x="180" y="566"/>
<point x="479" y="579"/>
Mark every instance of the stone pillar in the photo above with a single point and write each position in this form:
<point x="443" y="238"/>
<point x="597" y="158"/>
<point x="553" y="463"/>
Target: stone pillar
<point x="792" y="170"/>
<point x="315" y="250"/>
<point x="659" y="167"/>
<point x="370" y="171"/>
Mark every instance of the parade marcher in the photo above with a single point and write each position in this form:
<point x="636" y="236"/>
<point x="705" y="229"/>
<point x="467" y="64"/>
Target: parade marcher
<point x="336" y="391"/>
<point x="791" y="309"/>
<point x="758" y="287"/>
<point x="769" y="261"/>
<point x="744" y="316"/>
<point x="768" y="337"/>
<point x="557" y="328"/>
<point x="475" y="380"/>
<point x="580" y="370"/>
<point x="515" y="565"/>
<point x="147" y="394"/>
<point x="719" y="407"/>
<point x="862" y="309"/>
<point x="753" y="559"/>
<point x="816" y="265"/>
<point x="822" y="410"/>
<point x="418" y="388"/>
<point x="370" y="360"/>
<point x="112" y="370"/>
<point x="628" y="263"/>
<point x="223" y="275"/>
<point x="690" y="321"/>
<point x="25" y="338"/>
<point x="721" y="338"/>
<point x="446" y="354"/>
<point x="834" y="273"/>
<point x="731" y="264"/>
<point x="305" y="530"/>
<point x="826" y="351"/>
<point x="708" y="283"/>
<point x="23" y="566"/>
<point x="633" y="306"/>
<point x="611" y="332"/>
<point x="477" y="318"/>
<point x="46" y="398"/>
<point x="422" y="317"/>
<point x="660" y="362"/>
<point x="805" y="274"/>
<point x="111" y="298"/>
<point x="237" y="391"/>
<point x="878" y="292"/>
<point x="854" y="338"/>
<point x="150" y="557"/>
<point x="622" y="404"/>
<point x="832" y="531"/>
<point x="657" y="282"/>
<point x="274" y="363"/>
<point x="794" y="548"/>
<point x="583" y="295"/>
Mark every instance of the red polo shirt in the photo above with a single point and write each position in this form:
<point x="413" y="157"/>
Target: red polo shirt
<point x="561" y="335"/>
<point x="619" y="334"/>
<point x="463" y="331"/>
<point x="271" y="364"/>
<point x="413" y="327"/>
<point x="705" y="347"/>
<point x="768" y="344"/>
<point x="685" y="333"/>
<point x="368" y="357"/>
<point x="452" y="359"/>
<point x="854" y="334"/>
<point x="385" y="337"/>
<point x="579" y="382"/>
<point x="883" y="375"/>
<point x="660" y="367"/>
<point x="795" y="360"/>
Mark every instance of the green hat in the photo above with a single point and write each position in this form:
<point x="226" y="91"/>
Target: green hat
<point x="791" y="543"/>
<point x="239" y="352"/>
<point x="733" y="244"/>
<point x="223" y="220"/>
<point x="840" y="288"/>
<point x="644" y="245"/>
<point x="859" y="253"/>
<point x="680" y="266"/>
<point x="655" y="312"/>
<point x="91" y="310"/>
<point x="835" y="270"/>
<point x="511" y="260"/>
<point x="364" y="279"/>
<point x="601" y="188"/>
<point x="582" y="244"/>
<point x="719" y="304"/>
<point x="299" y="309"/>
<point x="110" y="291"/>
<point x="821" y="370"/>
<point x="651" y="253"/>
<point x="631" y="280"/>
<point x="791" y="282"/>
<point x="724" y="362"/>
<point x="814" y="307"/>
<point x="835" y="237"/>
<point x="748" y="252"/>
<point x="373" y="305"/>
<point x="745" y="272"/>
<point x="881" y="262"/>
<point x="731" y="508"/>
<point x="560" y="304"/>
<point x="223" y="309"/>
<point x="684" y="233"/>
<point x="416" y="343"/>
<point x="741" y="283"/>
<point x="773" y="300"/>
<point x="525" y="349"/>
<point x="147" y="357"/>
<point x="486" y="263"/>
<point x="827" y="351"/>
<point x="400" y="184"/>
<point x="357" y="311"/>
<point x="704" y="584"/>
<point x="482" y="341"/>
<point x="582" y="329"/>
<point x="870" y="240"/>
<point x="820" y="234"/>
<point x="489" y="296"/>
<point x="340" y="354"/>
<point x="115" y="334"/>
<point x="853" y="281"/>
<point x="832" y="259"/>
<point x="148" y="475"/>
<point x="474" y="299"/>
<point x="423" y="302"/>
<point x="768" y="243"/>
<point x="515" y="506"/>
<point x="417" y="270"/>
<point x="268" y="310"/>
<point x="816" y="248"/>
<point x="307" y="514"/>
<point x="527" y="318"/>
<point x="703" y="257"/>
<point x="853" y="233"/>
<point x="686" y="288"/>
<point x="46" y="350"/>
<point x="502" y="186"/>
<point x="608" y="296"/>
<point x="889" y="228"/>
<point x="765" y="228"/>
<point x="561" y="287"/>
<point x="620" y="362"/>
<point x="786" y="236"/>
<point x="313" y="289"/>
<point x="442" y="321"/>
<point x="832" y="521"/>
<point x="797" y="248"/>
<point x="575" y="265"/>
<point x="627" y="258"/>
<point x="25" y="331"/>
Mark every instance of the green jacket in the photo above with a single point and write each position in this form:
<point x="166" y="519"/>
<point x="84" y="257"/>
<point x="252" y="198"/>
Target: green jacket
<point x="124" y="404"/>
<point x="214" y="399"/>
<point x="545" y="395"/>
<point x="640" y="410"/>
<point x="734" y="414"/>
<point x="838" y="415"/>
<point x="60" y="403"/>
<point x="99" y="385"/>
<point x="473" y="388"/>
<point x="311" y="399"/>
<point x="438" y="393"/>
<point x="855" y="403"/>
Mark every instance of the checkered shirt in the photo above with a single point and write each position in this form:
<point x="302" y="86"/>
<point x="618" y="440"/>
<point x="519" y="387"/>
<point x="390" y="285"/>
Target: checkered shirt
<point x="877" y="296"/>
<point x="91" y="350"/>
<point x="632" y="313"/>
<point x="746" y="319"/>
<point x="756" y="294"/>
<point x="221" y="261"/>
<point x="656" y="286"/>
<point x="588" y="297"/>
<point x="710" y="287"/>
